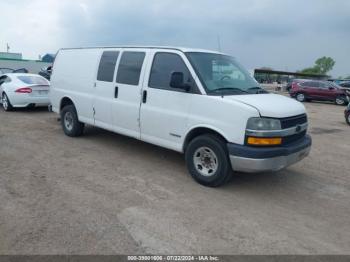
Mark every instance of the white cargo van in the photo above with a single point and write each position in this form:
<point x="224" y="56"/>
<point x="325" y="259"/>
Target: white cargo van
<point x="200" y="103"/>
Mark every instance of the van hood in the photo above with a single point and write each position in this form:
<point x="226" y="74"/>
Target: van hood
<point x="271" y="105"/>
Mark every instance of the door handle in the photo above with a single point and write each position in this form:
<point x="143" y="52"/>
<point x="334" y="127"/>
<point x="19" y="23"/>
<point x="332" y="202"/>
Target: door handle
<point x="116" y="92"/>
<point x="144" y="96"/>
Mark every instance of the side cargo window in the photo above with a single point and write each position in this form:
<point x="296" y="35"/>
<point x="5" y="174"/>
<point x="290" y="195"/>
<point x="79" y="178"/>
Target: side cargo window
<point x="130" y="68"/>
<point x="107" y="66"/>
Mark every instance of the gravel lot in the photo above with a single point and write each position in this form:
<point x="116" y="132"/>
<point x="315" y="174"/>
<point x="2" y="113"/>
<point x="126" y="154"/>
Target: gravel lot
<point x="107" y="194"/>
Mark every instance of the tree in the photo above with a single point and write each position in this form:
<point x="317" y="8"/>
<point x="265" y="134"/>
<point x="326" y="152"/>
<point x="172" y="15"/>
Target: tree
<point x="325" y="64"/>
<point x="322" y="66"/>
<point x="311" y="70"/>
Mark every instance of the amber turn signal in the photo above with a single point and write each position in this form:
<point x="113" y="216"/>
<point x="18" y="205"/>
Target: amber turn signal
<point x="260" y="141"/>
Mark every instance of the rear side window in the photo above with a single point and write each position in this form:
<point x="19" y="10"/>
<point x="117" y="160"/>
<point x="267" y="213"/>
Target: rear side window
<point x="323" y="85"/>
<point x="130" y="68"/>
<point x="164" y="64"/>
<point x="33" y="80"/>
<point x="107" y="66"/>
<point x="309" y="84"/>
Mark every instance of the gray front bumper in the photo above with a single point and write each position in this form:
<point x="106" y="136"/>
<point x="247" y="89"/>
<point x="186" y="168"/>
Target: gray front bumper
<point x="253" y="159"/>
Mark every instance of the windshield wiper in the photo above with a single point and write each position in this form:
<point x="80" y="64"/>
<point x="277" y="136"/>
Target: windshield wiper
<point x="221" y="89"/>
<point x="258" y="89"/>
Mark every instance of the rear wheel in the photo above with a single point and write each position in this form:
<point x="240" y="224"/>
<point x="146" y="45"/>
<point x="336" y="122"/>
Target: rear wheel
<point x="207" y="160"/>
<point x="6" y="104"/>
<point x="31" y="106"/>
<point x="348" y="119"/>
<point x="300" y="97"/>
<point x="70" y="122"/>
<point x="340" y="100"/>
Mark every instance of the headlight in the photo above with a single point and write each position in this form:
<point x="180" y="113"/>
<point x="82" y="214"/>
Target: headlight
<point x="258" y="123"/>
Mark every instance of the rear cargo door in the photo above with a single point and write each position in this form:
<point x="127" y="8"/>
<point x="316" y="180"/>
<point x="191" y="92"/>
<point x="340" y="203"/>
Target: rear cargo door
<point x="104" y="88"/>
<point x="127" y="91"/>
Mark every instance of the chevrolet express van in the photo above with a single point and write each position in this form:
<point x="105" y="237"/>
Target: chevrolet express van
<point x="200" y="103"/>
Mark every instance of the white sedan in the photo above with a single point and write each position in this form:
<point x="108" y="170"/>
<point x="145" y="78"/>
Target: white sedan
<point x="23" y="90"/>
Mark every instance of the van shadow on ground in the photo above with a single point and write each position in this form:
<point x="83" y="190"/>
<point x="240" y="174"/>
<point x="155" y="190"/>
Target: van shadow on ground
<point x="286" y="178"/>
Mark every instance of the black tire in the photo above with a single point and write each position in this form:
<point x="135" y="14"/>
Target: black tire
<point x="6" y="106"/>
<point x="31" y="106"/>
<point x="69" y="115"/>
<point x="223" y="171"/>
<point x="340" y="101"/>
<point x="300" y="97"/>
<point x="347" y="118"/>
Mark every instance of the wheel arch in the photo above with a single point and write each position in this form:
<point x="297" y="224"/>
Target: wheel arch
<point x="201" y="130"/>
<point x="4" y="91"/>
<point x="65" y="101"/>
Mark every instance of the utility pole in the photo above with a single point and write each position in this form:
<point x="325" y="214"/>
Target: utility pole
<point x="7" y="47"/>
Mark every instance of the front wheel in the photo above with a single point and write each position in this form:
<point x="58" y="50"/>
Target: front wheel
<point x="340" y="101"/>
<point x="207" y="160"/>
<point x="6" y="104"/>
<point x="70" y="122"/>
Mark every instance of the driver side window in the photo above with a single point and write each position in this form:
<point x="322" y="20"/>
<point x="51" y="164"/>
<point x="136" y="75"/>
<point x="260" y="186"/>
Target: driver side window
<point x="164" y="65"/>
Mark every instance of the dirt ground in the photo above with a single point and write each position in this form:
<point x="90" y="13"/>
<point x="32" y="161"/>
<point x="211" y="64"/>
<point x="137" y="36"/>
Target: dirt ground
<point x="108" y="194"/>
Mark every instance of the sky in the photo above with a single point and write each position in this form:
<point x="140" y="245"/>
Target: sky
<point x="281" y="34"/>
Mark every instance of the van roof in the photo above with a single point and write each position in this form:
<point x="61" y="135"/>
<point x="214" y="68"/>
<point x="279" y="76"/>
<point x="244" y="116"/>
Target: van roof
<point x="182" y="49"/>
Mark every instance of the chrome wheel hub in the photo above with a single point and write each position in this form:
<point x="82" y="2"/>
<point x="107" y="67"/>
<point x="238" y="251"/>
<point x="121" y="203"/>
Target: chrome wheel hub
<point x="339" y="101"/>
<point x="68" y="121"/>
<point x="205" y="161"/>
<point x="300" y="97"/>
<point x="5" y="102"/>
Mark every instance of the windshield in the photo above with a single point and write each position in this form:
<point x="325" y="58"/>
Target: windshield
<point x="33" y="80"/>
<point x="221" y="74"/>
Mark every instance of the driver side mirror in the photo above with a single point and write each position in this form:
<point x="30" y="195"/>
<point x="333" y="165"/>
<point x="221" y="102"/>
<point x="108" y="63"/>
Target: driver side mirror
<point x="177" y="81"/>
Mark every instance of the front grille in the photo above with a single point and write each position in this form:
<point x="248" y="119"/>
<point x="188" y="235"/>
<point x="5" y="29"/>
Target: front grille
<point x="288" y="122"/>
<point x="293" y="121"/>
<point x="293" y="138"/>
